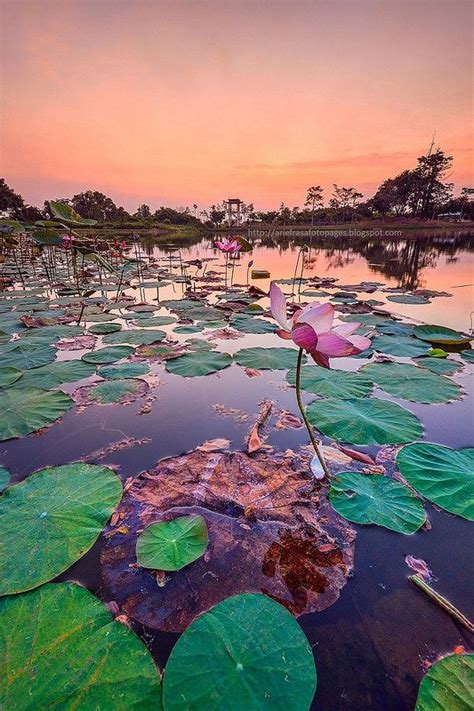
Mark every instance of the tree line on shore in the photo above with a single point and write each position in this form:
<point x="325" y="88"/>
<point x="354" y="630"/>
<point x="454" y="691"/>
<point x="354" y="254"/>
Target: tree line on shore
<point x="422" y="192"/>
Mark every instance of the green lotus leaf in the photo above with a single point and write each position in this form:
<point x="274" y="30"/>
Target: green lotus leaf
<point x="111" y="391"/>
<point x="409" y="382"/>
<point x="25" y="410"/>
<point x="255" y="657"/>
<point x="440" y="366"/>
<point x="9" y="375"/>
<point x="364" y="421"/>
<point x="192" y="365"/>
<point x="4" y="477"/>
<point x="66" y="213"/>
<point x="57" y="373"/>
<point x="402" y="346"/>
<point x="137" y="336"/>
<point x="123" y="371"/>
<point x="332" y="383"/>
<point x="170" y="545"/>
<point x="189" y="328"/>
<point x="74" y="657"/>
<point x="376" y="500"/>
<point x="468" y="355"/>
<point x="51" y="519"/>
<point x="24" y="354"/>
<point x="205" y="313"/>
<point x="101" y="329"/>
<point x="448" y="685"/>
<point x="408" y="299"/>
<point x="395" y="328"/>
<point x="101" y="317"/>
<point x="252" y="324"/>
<point x="199" y="344"/>
<point x="267" y="358"/>
<point x="153" y="321"/>
<point x="441" y="334"/>
<point x="443" y="475"/>
<point x="108" y="355"/>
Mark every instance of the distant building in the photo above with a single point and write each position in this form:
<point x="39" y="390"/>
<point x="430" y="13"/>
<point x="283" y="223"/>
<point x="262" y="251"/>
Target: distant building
<point x="234" y="212"/>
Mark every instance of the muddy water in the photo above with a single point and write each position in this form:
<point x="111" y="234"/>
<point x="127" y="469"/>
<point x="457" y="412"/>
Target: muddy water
<point x="369" y="646"/>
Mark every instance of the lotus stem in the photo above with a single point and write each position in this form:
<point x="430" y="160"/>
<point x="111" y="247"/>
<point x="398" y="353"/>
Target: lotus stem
<point x="442" y="602"/>
<point x="319" y="454"/>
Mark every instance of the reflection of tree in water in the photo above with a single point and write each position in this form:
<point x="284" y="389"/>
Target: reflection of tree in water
<point x="339" y="258"/>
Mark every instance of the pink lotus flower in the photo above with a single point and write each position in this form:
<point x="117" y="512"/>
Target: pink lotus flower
<point x="312" y="330"/>
<point x="230" y="246"/>
<point x="67" y="241"/>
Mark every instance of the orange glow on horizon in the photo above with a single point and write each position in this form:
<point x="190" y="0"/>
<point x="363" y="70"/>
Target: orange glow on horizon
<point x="175" y="103"/>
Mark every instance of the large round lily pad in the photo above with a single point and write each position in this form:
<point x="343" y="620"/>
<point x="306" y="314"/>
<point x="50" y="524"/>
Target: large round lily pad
<point x="198" y="363"/>
<point x="401" y="346"/>
<point x="267" y="358"/>
<point x="406" y="381"/>
<point x="408" y="299"/>
<point x="448" y="685"/>
<point x="468" y="355"/>
<point x="256" y="657"/>
<point x="443" y="475"/>
<point x="108" y="355"/>
<point x="250" y="324"/>
<point x="293" y="546"/>
<point x="26" y="410"/>
<point x="101" y="329"/>
<point x="57" y="373"/>
<point x="441" y="334"/>
<point x="440" y="366"/>
<point x="51" y="519"/>
<point x="123" y="371"/>
<point x="63" y="650"/>
<point x="332" y="383"/>
<point x="364" y="421"/>
<point x="376" y="499"/>
<point x="171" y="545"/>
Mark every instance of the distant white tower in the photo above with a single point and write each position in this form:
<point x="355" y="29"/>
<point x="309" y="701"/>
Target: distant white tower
<point x="234" y="214"/>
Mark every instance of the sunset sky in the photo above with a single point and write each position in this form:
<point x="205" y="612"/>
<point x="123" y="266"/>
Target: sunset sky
<point x="177" y="102"/>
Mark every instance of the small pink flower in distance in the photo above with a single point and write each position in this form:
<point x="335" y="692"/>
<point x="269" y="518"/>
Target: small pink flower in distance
<point x="67" y="241"/>
<point x="312" y="329"/>
<point x="231" y="246"/>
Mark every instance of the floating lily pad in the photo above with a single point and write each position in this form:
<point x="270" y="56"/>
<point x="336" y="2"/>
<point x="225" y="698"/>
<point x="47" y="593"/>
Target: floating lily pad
<point x="395" y="328"/>
<point x="443" y="475"/>
<point x="156" y="321"/>
<point x="402" y="346"/>
<point x="251" y="324"/>
<point x="257" y="657"/>
<point x="101" y="329"/>
<point x="171" y="545"/>
<point x="57" y="373"/>
<point x="409" y="382"/>
<point x="9" y="375"/>
<point x="440" y="366"/>
<point x="364" y="421"/>
<point x="448" y="685"/>
<point x="123" y="371"/>
<point x="376" y="499"/>
<point x="408" y="299"/>
<point x="192" y="365"/>
<point x="137" y="336"/>
<point x="108" y="355"/>
<point x="51" y="519"/>
<point x="199" y="344"/>
<point x="188" y="329"/>
<point x="267" y="358"/>
<point x="468" y="355"/>
<point x="332" y="383"/>
<point x="26" y="410"/>
<point x="101" y="317"/>
<point x="25" y="355"/>
<point x="441" y="334"/>
<point x="4" y="477"/>
<point x="111" y="391"/>
<point x="107" y="665"/>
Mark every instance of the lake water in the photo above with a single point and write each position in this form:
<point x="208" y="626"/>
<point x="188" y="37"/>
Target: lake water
<point x="370" y="645"/>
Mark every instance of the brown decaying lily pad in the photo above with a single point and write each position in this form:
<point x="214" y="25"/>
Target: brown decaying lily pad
<point x="270" y="531"/>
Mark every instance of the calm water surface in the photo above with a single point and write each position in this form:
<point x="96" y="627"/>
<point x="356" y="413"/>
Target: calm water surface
<point x="370" y="644"/>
